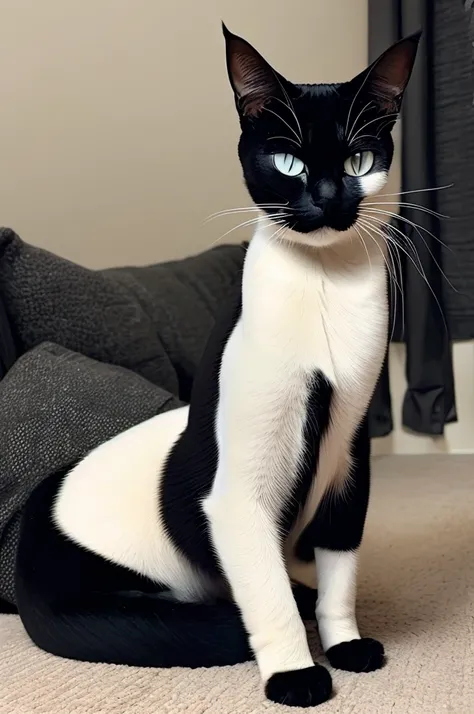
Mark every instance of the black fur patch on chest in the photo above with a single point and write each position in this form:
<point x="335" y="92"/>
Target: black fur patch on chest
<point x="191" y="466"/>
<point x="317" y="419"/>
<point x="338" y="523"/>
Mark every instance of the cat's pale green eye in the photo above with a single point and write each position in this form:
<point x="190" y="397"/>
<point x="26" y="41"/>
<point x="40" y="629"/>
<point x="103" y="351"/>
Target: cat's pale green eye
<point x="288" y="164"/>
<point x="359" y="164"/>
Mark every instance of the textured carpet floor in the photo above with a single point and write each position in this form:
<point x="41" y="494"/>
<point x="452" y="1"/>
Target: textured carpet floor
<point x="416" y="594"/>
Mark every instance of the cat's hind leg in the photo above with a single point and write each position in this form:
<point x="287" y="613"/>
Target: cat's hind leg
<point x="75" y="604"/>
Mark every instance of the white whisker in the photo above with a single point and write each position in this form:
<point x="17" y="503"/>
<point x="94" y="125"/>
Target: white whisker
<point x="404" y="204"/>
<point x="384" y="126"/>
<point x="397" y="231"/>
<point x="390" y="248"/>
<point x="367" y="226"/>
<point x="286" y="138"/>
<point x="292" y="107"/>
<point x="393" y="292"/>
<point x="363" y="243"/>
<point x="391" y="227"/>
<point x="357" y="119"/>
<point x="252" y="221"/>
<point x="417" y="190"/>
<point x="368" y="223"/>
<point x="289" y="106"/>
<point x="419" y="269"/>
<point x="365" y="136"/>
<point x="284" y="122"/>
<point x="369" y="123"/>
<point x="405" y="237"/>
<point x="354" y="100"/>
<point x="397" y="216"/>
<point x="279" y="233"/>
<point x="393" y="282"/>
<point x="245" y="209"/>
<point x="275" y="236"/>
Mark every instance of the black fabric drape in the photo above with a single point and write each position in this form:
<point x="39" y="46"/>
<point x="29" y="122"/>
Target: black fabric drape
<point x="429" y="399"/>
<point x="453" y="69"/>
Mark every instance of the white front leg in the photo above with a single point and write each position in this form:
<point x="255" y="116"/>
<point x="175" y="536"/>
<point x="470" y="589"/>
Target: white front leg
<point x="335" y="613"/>
<point x="335" y="610"/>
<point x="248" y="544"/>
<point x="259" y="430"/>
<point x="247" y="541"/>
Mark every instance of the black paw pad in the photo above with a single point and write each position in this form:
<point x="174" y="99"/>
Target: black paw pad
<point x="300" y="687"/>
<point x="363" y="655"/>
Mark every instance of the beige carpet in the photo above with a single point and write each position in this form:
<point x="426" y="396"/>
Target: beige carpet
<point x="416" y="595"/>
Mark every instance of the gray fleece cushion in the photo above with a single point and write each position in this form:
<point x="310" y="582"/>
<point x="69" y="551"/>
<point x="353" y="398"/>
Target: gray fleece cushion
<point x="55" y="406"/>
<point x="154" y="320"/>
<point x="97" y="351"/>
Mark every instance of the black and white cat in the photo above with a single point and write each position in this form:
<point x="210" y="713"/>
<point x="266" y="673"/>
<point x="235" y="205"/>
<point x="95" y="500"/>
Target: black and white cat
<point x="179" y="541"/>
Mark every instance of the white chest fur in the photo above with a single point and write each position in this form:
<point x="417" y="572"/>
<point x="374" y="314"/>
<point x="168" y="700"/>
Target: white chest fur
<point x="307" y="309"/>
<point x="326" y="309"/>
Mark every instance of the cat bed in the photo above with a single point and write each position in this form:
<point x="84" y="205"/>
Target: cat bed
<point x="86" y="354"/>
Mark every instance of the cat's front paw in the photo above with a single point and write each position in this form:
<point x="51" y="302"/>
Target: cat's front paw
<point x="365" y="655"/>
<point x="300" y="687"/>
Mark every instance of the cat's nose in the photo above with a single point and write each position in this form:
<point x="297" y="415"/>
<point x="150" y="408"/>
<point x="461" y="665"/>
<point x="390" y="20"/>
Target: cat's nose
<point x="322" y="195"/>
<point x="325" y="189"/>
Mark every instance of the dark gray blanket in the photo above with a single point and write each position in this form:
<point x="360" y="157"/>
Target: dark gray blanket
<point x="96" y="352"/>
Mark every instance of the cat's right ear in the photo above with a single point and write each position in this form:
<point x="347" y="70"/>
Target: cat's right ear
<point x="253" y="80"/>
<point x="385" y="81"/>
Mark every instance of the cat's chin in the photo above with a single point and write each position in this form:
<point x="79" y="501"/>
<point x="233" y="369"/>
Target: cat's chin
<point x="320" y="238"/>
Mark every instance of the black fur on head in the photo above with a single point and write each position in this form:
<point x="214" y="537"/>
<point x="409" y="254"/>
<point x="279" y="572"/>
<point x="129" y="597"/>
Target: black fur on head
<point x="314" y="151"/>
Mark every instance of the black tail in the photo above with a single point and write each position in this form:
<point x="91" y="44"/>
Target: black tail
<point x="148" y="631"/>
<point x="144" y="631"/>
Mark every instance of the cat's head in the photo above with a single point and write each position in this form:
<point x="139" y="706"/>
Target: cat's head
<point x="311" y="153"/>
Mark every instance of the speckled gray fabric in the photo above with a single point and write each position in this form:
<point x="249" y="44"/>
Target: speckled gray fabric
<point x="55" y="406"/>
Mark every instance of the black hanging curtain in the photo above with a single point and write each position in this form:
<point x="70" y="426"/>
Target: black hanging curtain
<point x="437" y="149"/>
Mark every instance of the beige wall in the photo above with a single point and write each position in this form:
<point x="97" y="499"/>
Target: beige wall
<point x="118" y="131"/>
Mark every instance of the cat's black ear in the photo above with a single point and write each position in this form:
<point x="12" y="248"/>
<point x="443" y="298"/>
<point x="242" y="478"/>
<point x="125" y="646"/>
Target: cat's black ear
<point x="386" y="79"/>
<point x="253" y="80"/>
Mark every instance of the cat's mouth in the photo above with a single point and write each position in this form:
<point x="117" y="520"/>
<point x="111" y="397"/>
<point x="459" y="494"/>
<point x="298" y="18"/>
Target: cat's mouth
<point x="314" y="221"/>
<point x="318" y="231"/>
